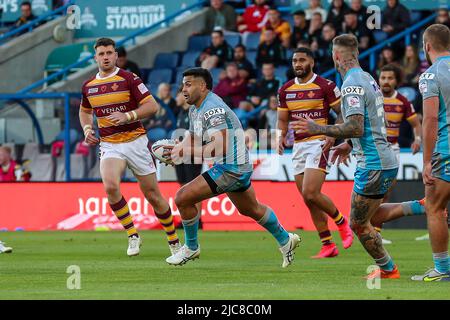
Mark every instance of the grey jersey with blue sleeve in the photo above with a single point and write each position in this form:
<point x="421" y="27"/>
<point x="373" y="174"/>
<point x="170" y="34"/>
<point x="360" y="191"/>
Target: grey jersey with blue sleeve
<point x="435" y="82"/>
<point x="361" y="95"/>
<point x="214" y="115"/>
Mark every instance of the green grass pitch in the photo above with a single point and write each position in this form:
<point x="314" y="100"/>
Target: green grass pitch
<point x="233" y="265"/>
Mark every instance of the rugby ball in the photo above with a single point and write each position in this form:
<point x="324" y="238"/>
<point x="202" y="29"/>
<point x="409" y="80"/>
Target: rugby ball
<point x="161" y="150"/>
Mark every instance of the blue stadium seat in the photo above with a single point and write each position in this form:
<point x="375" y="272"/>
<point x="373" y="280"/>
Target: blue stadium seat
<point x="415" y="16"/>
<point x="179" y="75"/>
<point x="215" y="73"/>
<point x="198" y="43"/>
<point x="280" y="73"/>
<point x="252" y="41"/>
<point x="251" y="56"/>
<point x="189" y="58"/>
<point x="166" y="60"/>
<point x="157" y="76"/>
<point x="409" y="93"/>
<point x="174" y="89"/>
<point x="233" y="39"/>
<point x="379" y="36"/>
<point x="281" y="3"/>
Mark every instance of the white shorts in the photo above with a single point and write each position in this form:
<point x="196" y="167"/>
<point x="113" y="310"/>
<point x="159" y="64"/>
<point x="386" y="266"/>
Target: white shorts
<point x="309" y="155"/>
<point x="396" y="148"/>
<point x="135" y="153"/>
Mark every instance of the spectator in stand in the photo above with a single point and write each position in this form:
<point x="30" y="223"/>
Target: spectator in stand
<point x="360" y="10"/>
<point x="254" y="17"/>
<point x="324" y="47"/>
<point x="165" y="94"/>
<point x="410" y="66"/>
<point x="220" y="15"/>
<point x="395" y="18"/>
<point x="300" y="29"/>
<point x="10" y="170"/>
<point x="217" y="54"/>
<point x="125" y="64"/>
<point x="315" y="27"/>
<point x="159" y="126"/>
<point x="246" y="69"/>
<point x="443" y="17"/>
<point x="270" y="50"/>
<point x="233" y="88"/>
<point x="281" y="27"/>
<point x="387" y="57"/>
<point x="336" y="14"/>
<point x="269" y="118"/>
<point x="314" y="7"/>
<point x="351" y="25"/>
<point x="266" y="86"/>
<point x="26" y="16"/>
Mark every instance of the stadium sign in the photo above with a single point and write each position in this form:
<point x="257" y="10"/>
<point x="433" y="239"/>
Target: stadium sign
<point x="117" y="18"/>
<point x="11" y="8"/>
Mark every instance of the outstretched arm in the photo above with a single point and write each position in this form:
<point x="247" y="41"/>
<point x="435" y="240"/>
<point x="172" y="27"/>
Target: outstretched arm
<point x="353" y="128"/>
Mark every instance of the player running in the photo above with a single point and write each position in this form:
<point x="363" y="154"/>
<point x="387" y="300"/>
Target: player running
<point x="215" y="131"/>
<point x="377" y="166"/>
<point x="313" y="96"/>
<point x="397" y="108"/>
<point x="434" y="86"/>
<point x="120" y="100"/>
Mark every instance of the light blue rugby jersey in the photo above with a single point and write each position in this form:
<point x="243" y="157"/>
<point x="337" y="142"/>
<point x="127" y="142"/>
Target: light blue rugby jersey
<point x="435" y="82"/>
<point x="362" y="95"/>
<point x="212" y="115"/>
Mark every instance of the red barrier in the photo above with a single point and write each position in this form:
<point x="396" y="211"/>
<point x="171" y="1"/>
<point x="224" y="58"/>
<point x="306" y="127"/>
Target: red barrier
<point x="83" y="206"/>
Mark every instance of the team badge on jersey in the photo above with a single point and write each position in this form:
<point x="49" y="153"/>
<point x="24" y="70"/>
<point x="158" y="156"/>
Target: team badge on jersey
<point x="353" y="102"/>
<point x="423" y="87"/>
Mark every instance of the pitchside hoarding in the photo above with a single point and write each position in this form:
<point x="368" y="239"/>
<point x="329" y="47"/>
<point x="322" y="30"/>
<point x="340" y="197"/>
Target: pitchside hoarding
<point x="118" y="18"/>
<point x="84" y="206"/>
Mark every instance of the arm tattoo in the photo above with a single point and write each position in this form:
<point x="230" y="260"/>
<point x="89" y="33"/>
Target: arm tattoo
<point x="353" y="128"/>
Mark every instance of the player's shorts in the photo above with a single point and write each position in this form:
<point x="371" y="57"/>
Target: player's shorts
<point x="135" y="153"/>
<point x="223" y="178"/>
<point x="396" y="148"/>
<point x="373" y="183"/>
<point x="440" y="166"/>
<point x="309" y="155"/>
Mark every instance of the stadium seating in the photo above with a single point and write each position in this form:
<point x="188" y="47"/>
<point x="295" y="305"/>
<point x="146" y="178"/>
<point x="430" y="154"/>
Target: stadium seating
<point x="251" y="41"/>
<point x="198" y="43"/>
<point x="189" y="58"/>
<point x="233" y="40"/>
<point x="409" y="93"/>
<point x="166" y="60"/>
<point x="157" y="76"/>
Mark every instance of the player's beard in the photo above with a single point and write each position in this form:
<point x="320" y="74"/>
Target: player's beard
<point x="387" y="91"/>
<point x="302" y="74"/>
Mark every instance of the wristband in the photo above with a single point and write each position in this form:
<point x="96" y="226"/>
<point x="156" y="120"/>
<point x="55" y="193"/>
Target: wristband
<point x="135" y="117"/>
<point x="128" y="116"/>
<point x="87" y="128"/>
<point x="418" y="139"/>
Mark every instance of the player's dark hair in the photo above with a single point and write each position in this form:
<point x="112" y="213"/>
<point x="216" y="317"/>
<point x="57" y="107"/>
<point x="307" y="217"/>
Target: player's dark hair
<point x="438" y="35"/>
<point x="396" y="70"/>
<point x="104" y="42"/>
<point x="200" y="73"/>
<point x="121" y="52"/>
<point x="306" y="51"/>
<point x="299" y="13"/>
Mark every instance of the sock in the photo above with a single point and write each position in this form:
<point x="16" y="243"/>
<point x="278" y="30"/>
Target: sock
<point x="338" y="218"/>
<point x="191" y="232"/>
<point x="270" y="222"/>
<point x="441" y="262"/>
<point x="166" y="220"/>
<point x="122" y="213"/>
<point x="326" y="238"/>
<point x="385" y="263"/>
<point x="413" y="208"/>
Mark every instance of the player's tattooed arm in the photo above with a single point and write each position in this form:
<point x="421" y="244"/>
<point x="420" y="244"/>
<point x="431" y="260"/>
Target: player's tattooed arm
<point x="353" y="128"/>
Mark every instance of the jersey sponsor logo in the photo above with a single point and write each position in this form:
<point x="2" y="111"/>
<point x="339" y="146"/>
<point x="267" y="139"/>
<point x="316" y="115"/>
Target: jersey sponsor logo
<point x="353" y="90"/>
<point x="113" y="109"/>
<point x="212" y="112"/>
<point x="291" y="96"/>
<point x="423" y="87"/>
<point x="216" y="120"/>
<point x="300" y="114"/>
<point x="427" y="76"/>
<point x="353" y="102"/>
<point x="337" y="92"/>
<point x="92" y="90"/>
<point x="142" y="88"/>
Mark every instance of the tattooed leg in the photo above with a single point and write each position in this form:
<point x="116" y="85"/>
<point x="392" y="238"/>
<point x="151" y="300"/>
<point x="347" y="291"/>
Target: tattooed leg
<point x="363" y="209"/>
